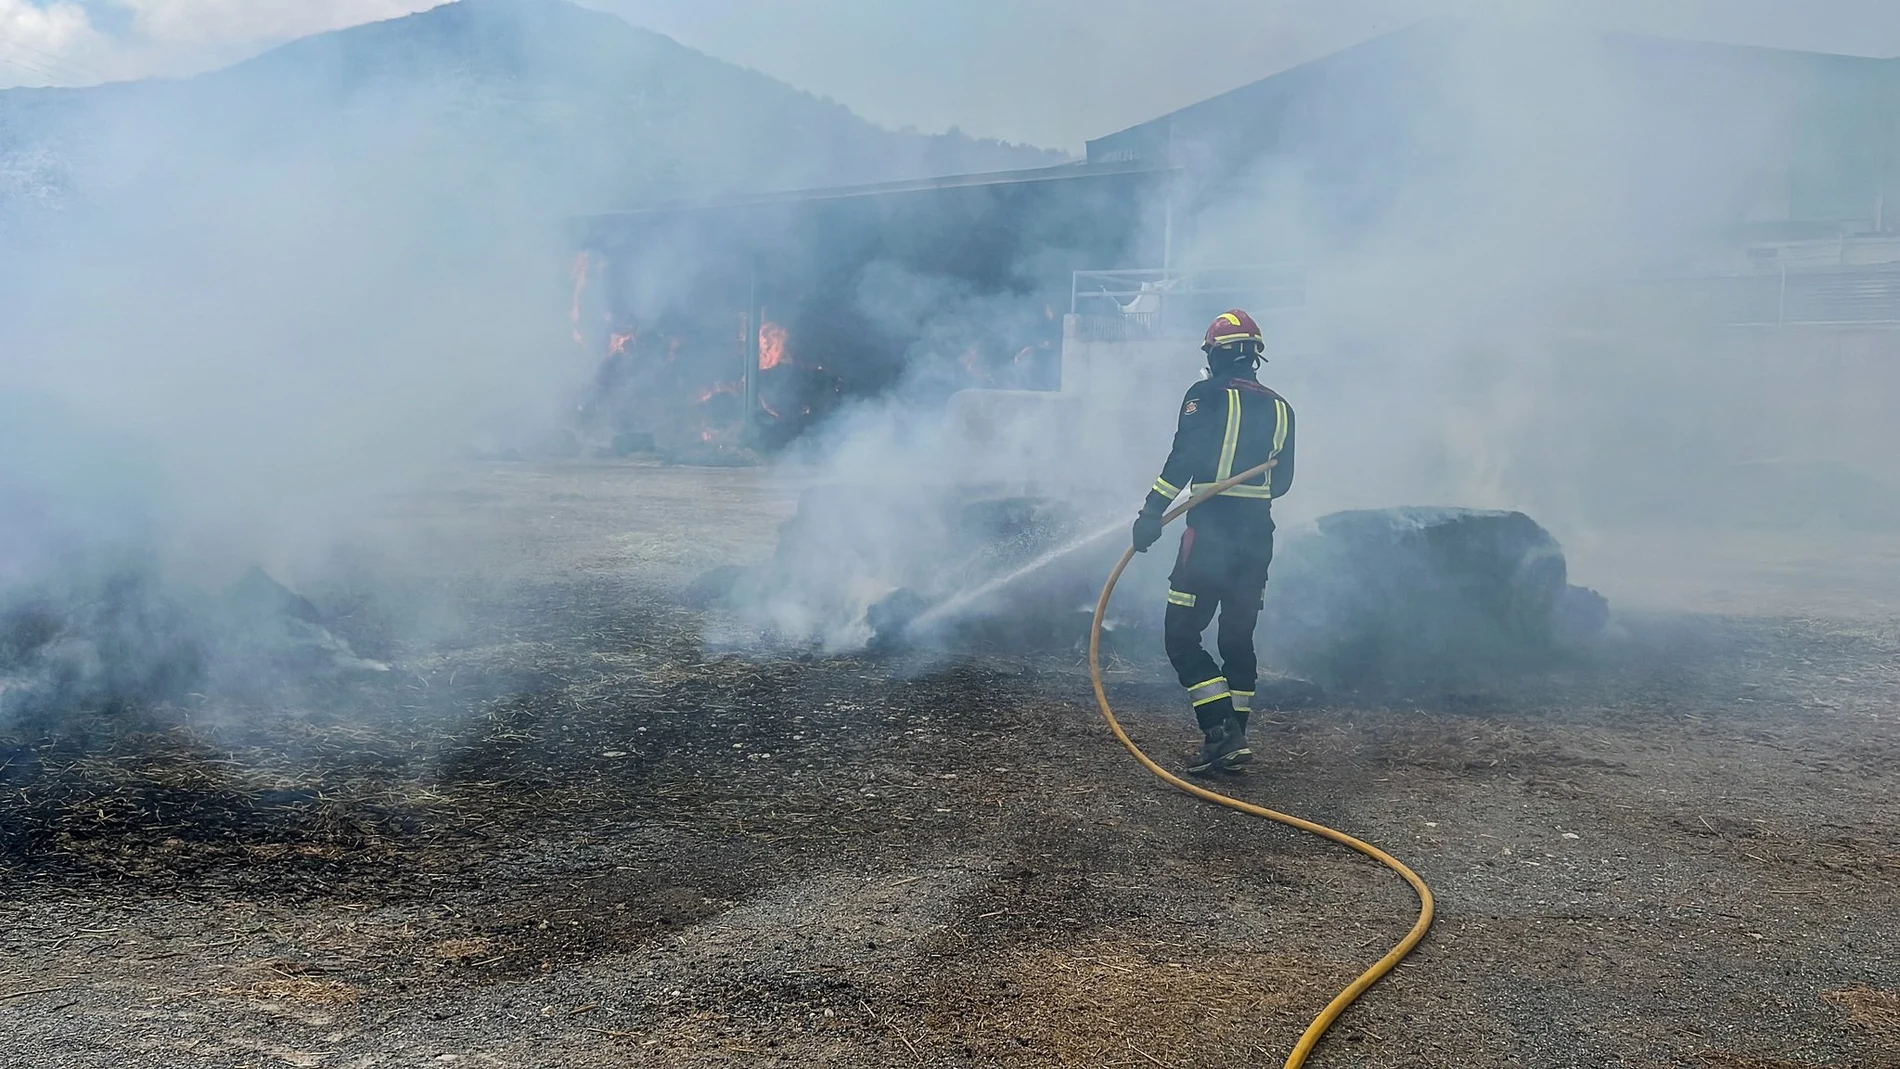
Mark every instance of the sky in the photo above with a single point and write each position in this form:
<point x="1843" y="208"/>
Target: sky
<point x="1048" y="72"/>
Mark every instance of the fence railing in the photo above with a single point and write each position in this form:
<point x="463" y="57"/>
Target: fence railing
<point x="1156" y="302"/>
<point x="1863" y="297"/>
<point x="1132" y="326"/>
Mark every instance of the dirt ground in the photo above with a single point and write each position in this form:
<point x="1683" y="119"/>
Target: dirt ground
<point x="564" y="834"/>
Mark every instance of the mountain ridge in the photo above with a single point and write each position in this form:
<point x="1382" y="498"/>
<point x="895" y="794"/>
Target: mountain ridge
<point x="576" y="106"/>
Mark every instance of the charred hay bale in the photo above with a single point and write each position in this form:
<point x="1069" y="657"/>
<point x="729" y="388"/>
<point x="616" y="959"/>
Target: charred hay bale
<point x="1416" y="595"/>
<point x="105" y="645"/>
<point x="1581" y="616"/>
<point x="890" y="619"/>
<point x="990" y="587"/>
<point x="123" y="640"/>
<point x="260" y="623"/>
<point x="867" y="559"/>
<point x="261" y="598"/>
<point x="1009" y="532"/>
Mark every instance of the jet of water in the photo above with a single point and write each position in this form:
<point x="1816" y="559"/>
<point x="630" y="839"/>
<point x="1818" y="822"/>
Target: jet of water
<point x="945" y="609"/>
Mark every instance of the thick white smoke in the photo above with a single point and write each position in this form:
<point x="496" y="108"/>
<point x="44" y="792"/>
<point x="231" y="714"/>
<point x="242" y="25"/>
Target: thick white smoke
<point x="1464" y="216"/>
<point x="243" y="323"/>
<point x="251" y="309"/>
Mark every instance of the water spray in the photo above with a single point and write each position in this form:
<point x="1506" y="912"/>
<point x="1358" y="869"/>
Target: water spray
<point x="946" y="608"/>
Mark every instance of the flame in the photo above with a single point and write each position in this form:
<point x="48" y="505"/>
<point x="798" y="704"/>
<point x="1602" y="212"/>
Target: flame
<point x="803" y="410"/>
<point x="719" y="388"/>
<point x="772" y="338"/>
<point x="617" y="343"/>
<point x="583" y="265"/>
<point x="713" y="431"/>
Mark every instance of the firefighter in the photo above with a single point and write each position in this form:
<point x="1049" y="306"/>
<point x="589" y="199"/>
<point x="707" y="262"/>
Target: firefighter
<point x="1228" y="424"/>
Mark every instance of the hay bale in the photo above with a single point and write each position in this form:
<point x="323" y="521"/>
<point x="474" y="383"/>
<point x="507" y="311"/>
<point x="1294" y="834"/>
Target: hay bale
<point x="1415" y="594"/>
<point x="101" y="644"/>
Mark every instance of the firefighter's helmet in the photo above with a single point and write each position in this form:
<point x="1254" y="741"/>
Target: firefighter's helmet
<point x="1232" y="327"/>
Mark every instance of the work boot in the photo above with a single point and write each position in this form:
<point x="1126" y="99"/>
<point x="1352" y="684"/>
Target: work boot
<point x="1220" y="746"/>
<point x="1236" y="750"/>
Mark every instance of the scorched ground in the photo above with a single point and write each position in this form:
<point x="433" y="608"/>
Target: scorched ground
<point x="564" y="833"/>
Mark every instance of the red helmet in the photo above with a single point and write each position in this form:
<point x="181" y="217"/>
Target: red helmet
<point x="1231" y="327"/>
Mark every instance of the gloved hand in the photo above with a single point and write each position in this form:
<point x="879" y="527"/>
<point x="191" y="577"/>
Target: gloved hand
<point x="1147" y="530"/>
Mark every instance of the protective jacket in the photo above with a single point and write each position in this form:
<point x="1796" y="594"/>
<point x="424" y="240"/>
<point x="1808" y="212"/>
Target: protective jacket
<point x="1228" y="424"/>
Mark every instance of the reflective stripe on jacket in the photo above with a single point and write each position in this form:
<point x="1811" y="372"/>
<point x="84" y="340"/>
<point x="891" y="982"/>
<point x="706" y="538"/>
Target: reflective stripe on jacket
<point x="1227" y="425"/>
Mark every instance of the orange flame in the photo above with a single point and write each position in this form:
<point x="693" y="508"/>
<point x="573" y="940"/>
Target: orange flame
<point x="617" y="343"/>
<point x="772" y="338"/>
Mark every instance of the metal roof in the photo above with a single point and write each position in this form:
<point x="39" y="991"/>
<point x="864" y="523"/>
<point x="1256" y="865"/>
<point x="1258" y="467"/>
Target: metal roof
<point x="1078" y="170"/>
<point x="1155" y="141"/>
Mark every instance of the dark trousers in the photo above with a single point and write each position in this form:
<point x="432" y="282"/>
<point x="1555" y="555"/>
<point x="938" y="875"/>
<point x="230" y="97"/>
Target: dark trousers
<point x="1217" y="570"/>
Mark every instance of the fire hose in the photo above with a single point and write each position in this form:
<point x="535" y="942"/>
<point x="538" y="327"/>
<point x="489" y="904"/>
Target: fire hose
<point x="1345" y="998"/>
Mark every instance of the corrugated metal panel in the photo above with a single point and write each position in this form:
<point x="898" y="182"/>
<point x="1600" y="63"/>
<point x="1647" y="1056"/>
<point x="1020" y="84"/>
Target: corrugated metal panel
<point x="1864" y="297"/>
<point x="1861" y="297"/>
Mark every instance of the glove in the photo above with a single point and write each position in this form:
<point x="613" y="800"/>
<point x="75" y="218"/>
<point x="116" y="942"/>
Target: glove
<point x="1147" y="530"/>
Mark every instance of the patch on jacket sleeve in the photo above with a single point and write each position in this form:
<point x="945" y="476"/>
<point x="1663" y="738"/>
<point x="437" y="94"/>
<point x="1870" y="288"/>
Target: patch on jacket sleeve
<point x="1193" y="406"/>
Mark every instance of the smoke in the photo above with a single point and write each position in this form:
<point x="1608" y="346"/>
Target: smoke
<point x="1489" y="220"/>
<point x="249" y="310"/>
<point x="1472" y="337"/>
<point x="243" y="312"/>
<point x="245" y="323"/>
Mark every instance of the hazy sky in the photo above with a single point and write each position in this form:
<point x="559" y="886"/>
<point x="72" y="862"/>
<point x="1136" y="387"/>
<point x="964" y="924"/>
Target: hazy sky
<point x="1053" y="72"/>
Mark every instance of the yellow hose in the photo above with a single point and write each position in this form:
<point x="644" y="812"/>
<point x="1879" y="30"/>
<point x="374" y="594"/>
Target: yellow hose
<point x="1425" y="908"/>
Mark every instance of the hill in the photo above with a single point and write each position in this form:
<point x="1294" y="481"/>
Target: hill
<point x="537" y="99"/>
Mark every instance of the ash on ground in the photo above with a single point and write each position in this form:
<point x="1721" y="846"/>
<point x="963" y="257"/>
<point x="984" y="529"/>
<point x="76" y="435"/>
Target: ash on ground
<point x="571" y="835"/>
